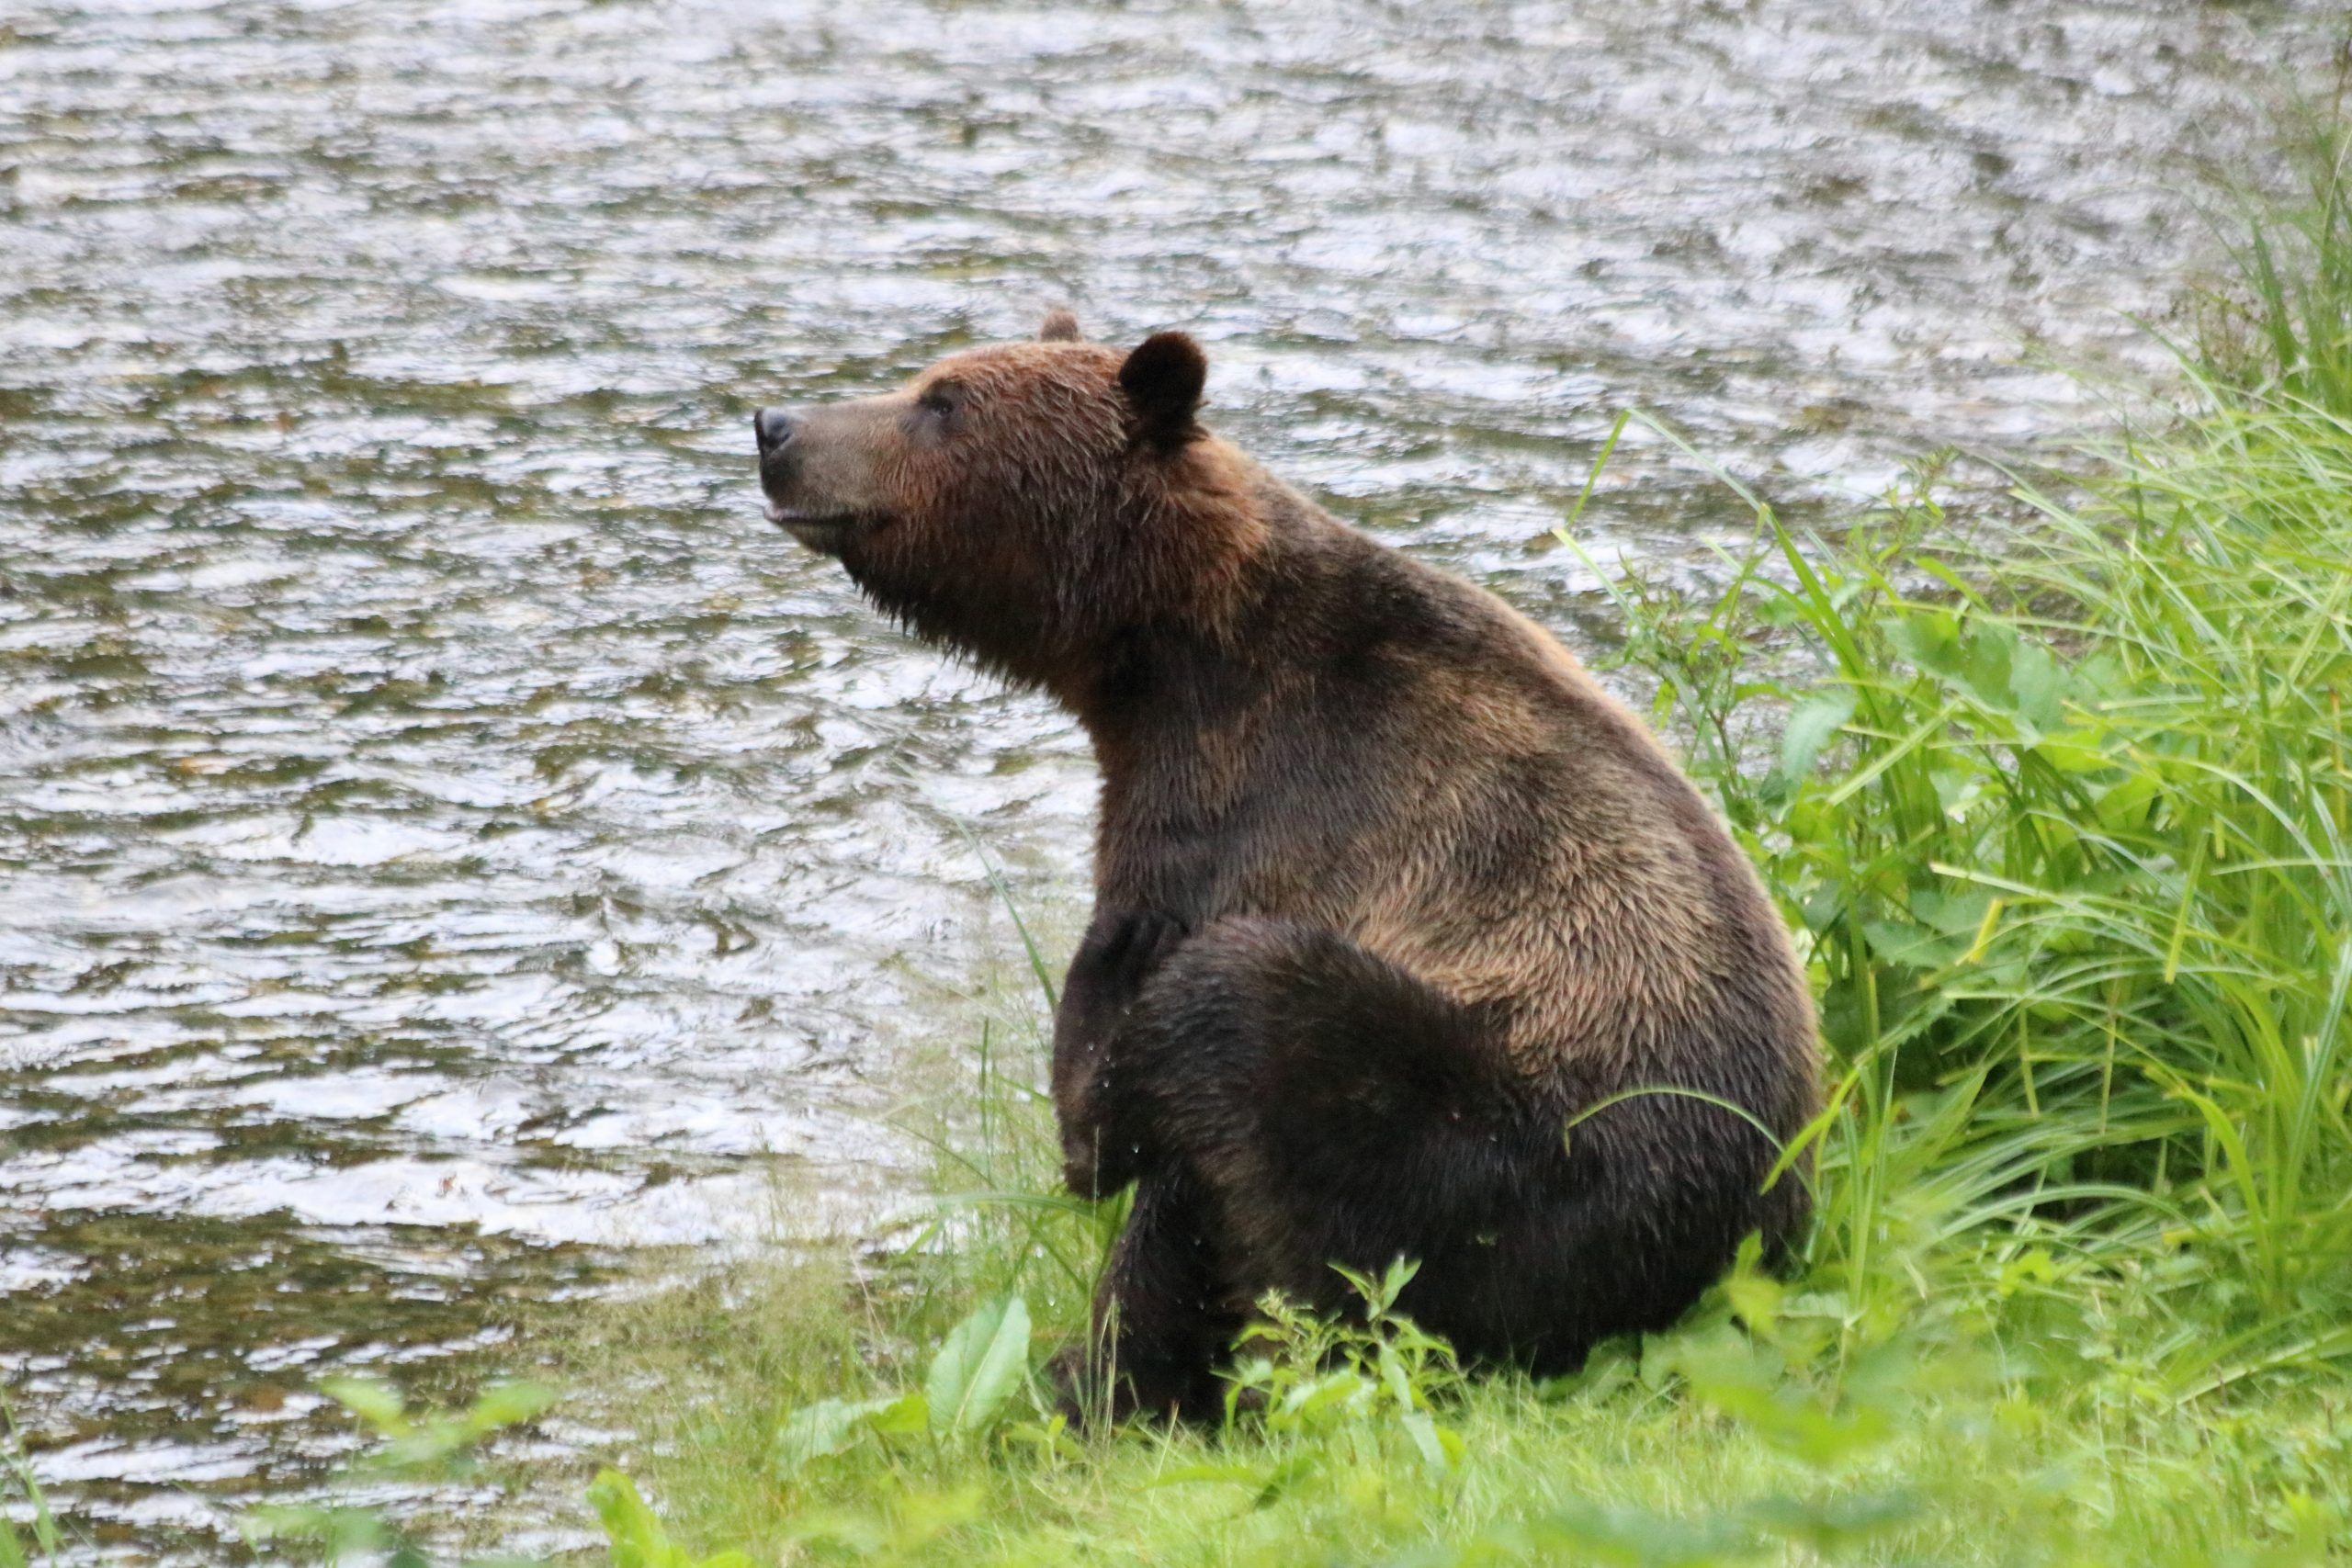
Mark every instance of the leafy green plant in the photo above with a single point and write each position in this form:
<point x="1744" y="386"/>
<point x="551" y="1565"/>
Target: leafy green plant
<point x="2064" y="833"/>
<point x="982" y="1364"/>
<point x="634" y="1535"/>
<point x="1339" y="1399"/>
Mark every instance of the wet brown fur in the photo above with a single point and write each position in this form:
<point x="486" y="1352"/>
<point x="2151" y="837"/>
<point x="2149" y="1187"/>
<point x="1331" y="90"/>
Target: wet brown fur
<point x="1387" y="890"/>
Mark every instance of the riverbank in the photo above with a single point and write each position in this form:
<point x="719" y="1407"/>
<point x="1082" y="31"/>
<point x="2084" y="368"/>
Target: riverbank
<point x="2062" y="820"/>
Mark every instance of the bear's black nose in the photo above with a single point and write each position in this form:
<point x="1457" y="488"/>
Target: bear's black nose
<point x="772" y="427"/>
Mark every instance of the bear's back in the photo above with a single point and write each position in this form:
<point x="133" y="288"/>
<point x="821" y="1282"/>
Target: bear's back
<point x="1407" y="761"/>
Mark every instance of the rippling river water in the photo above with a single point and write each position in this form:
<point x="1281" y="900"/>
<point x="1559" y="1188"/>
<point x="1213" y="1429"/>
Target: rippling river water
<point x="446" y="840"/>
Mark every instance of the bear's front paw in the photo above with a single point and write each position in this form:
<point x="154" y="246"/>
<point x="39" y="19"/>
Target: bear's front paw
<point x="1138" y="945"/>
<point x="1120" y="953"/>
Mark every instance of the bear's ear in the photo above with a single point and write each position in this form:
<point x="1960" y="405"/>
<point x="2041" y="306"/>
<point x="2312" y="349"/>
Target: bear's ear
<point x="1162" y="378"/>
<point x="1059" y="326"/>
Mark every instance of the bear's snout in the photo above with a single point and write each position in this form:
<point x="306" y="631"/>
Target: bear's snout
<point x="816" y="465"/>
<point x="772" y="427"/>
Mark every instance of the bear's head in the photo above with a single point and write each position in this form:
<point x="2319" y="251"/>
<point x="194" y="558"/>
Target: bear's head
<point x="1024" y="503"/>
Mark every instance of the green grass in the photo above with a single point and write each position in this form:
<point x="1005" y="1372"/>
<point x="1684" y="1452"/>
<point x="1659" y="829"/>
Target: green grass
<point x="1987" y="1393"/>
<point x="2061" y="818"/>
<point x="17" y="1477"/>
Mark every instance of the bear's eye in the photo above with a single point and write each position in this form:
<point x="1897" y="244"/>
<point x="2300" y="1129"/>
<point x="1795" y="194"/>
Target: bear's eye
<point x="940" y="398"/>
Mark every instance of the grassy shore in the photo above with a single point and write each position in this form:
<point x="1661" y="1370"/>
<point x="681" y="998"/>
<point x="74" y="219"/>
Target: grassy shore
<point x="2059" y="816"/>
<point x="2060" y="819"/>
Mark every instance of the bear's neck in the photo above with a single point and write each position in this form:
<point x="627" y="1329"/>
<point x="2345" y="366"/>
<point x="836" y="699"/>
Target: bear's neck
<point x="1161" y="699"/>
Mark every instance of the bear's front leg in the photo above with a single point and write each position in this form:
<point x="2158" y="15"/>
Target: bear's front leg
<point x="1161" y="1325"/>
<point x="1122" y="950"/>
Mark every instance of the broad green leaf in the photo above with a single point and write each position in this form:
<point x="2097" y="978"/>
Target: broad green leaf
<point x="343" y="1532"/>
<point x="1811" y="727"/>
<point x="1399" y="1380"/>
<point x="907" y="1413"/>
<point x="1913" y="946"/>
<point x="633" y="1532"/>
<point x="1612" y="1364"/>
<point x="1052" y="1440"/>
<point x="825" y="1428"/>
<point x="1753" y="1294"/>
<point x="377" y="1404"/>
<point x="983" y="1361"/>
<point x="1439" y="1448"/>
<point x="1307" y="1401"/>
<point x="2074" y="752"/>
<point x="633" y="1535"/>
<point x="1930" y="639"/>
<point x="1393" y="1281"/>
<point x="2034" y="1267"/>
<point x="2034" y="679"/>
<point x="1960" y="913"/>
<point x="11" y="1551"/>
<point x="1989" y="653"/>
<point x="2125" y="805"/>
<point x="509" y="1405"/>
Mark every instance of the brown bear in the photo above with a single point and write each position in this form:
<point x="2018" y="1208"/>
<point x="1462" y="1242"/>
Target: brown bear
<point x="1387" y="891"/>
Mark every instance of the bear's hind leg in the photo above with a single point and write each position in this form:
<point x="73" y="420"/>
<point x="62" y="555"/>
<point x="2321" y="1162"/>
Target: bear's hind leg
<point x="1333" y="1109"/>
